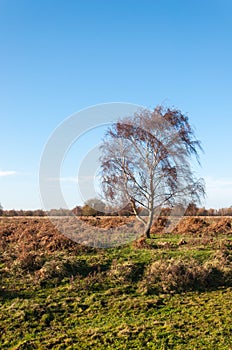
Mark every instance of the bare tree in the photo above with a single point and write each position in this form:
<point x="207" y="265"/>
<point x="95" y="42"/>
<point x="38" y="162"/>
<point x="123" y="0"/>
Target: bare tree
<point x="146" y="162"/>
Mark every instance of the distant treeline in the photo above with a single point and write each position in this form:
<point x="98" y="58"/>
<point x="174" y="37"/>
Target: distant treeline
<point x="97" y="208"/>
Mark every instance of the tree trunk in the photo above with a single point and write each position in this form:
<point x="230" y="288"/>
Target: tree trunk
<point x="148" y="225"/>
<point x="147" y="232"/>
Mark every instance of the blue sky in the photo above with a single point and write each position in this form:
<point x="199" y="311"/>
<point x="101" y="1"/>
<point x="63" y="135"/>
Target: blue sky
<point x="58" y="57"/>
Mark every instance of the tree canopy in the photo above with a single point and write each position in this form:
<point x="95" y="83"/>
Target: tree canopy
<point x="146" y="162"/>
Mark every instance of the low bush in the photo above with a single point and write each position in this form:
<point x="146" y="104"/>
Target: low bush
<point x="126" y="271"/>
<point x="28" y="262"/>
<point x="59" y="267"/>
<point x="179" y="275"/>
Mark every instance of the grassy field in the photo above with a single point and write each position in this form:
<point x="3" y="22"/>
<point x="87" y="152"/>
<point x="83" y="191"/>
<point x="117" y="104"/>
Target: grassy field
<point x="173" y="291"/>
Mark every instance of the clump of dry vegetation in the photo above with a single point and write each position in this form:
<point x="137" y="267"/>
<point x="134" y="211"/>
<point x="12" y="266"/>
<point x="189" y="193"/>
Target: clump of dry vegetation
<point x="221" y="226"/>
<point x="19" y="235"/>
<point x="193" y="225"/>
<point x="107" y="222"/>
<point x="35" y="246"/>
<point x="180" y="275"/>
<point x="159" y="225"/>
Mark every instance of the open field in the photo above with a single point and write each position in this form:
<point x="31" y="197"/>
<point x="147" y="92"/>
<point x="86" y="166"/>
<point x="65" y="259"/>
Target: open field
<point x="173" y="291"/>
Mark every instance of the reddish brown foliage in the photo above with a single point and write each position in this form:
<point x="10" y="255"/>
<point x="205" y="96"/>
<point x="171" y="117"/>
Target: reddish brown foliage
<point x="21" y="235"/>
<point x="29" y="234"/>
<point x="192" y="225"/>
<point x="107" y="222"/>
<point x="222" y="226"/>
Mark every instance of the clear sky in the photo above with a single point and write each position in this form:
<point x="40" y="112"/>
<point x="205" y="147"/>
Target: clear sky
<point x="58" y="57"/>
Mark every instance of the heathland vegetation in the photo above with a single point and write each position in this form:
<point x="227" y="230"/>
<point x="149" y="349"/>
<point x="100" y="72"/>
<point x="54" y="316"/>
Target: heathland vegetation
<point x="172" y="291"/>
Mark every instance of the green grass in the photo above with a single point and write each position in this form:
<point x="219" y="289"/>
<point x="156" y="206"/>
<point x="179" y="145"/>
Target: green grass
<point x="119" y="318"/>
<point x="97" y="300"/>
